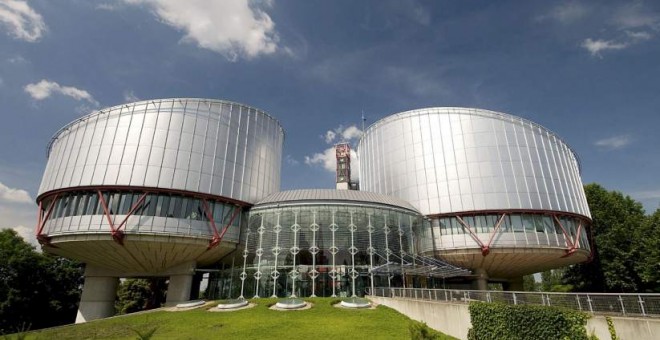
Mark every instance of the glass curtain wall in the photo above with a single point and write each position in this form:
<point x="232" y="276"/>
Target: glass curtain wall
<point x="516" y="229"/>
<point x="154" y="205"/>
<point x="323" y="250"/>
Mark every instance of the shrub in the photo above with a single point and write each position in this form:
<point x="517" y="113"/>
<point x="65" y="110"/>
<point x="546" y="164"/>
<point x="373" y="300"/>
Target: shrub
<point x="611" y="329"/>
<point x="420" y="331"/>
<point x="501" y="321"/>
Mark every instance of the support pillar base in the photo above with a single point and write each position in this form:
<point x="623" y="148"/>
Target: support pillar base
<point x="98" y="295"/>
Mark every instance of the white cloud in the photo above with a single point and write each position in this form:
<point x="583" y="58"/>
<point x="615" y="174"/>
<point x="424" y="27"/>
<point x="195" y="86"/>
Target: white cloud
<point x="636" y="15"/>
<point x="327" y="159"/>
<point x="17" y="60"/>
<point x="351" y="132"/>
<point x="108" y="7"/>
<point x="290" y="160"/>
<point x="641" y="35"/>
<point x="613" y="143"/>
<point x="596" y="46"/>
<point x="346" y="134"/>
<point x="17" y="216"/>
<point x="419" y="14"/>
<point x="234" y="28"/>
<point x="12" y="195"/>
<point x="646" y="195"/>
<point x="45" y="88"/>
<point x="21" y="20"/>
<point x="130" y="97"/>
<point x="567" y="13"/>
<point x="422" y="84"/>
<point x="26" y="233"/>
<point x="330" y="136"/>
<point x="634" y="24"/>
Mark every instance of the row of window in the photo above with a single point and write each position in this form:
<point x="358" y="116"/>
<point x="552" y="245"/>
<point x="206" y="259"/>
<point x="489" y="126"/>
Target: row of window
<point x="162" y="205"/>
<point x="516" y="223"/>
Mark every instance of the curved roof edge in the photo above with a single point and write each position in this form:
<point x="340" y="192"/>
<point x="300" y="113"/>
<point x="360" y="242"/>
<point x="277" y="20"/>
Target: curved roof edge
<point x="110" y="108"/>
<point x="310" y="196"/>
<point x="472" y="111"/>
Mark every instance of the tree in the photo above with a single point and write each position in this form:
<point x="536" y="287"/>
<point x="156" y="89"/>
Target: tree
<point x="617" y="227"/>
<point x="648" y="264"/>
<point x="134" y="295"/>
<point x="551" y="281"/>
<point x="530" y="284"/>
<point x="36" y="290"/>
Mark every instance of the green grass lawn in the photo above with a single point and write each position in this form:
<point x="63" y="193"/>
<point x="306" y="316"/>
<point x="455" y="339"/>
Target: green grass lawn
<point x="321" y="321"/>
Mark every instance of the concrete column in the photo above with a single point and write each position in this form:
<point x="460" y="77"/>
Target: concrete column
<point x="181" y="281"/>
<point x="98" y="295"/>
<point x="481" y="280"/>
<point x="515" y="284"/>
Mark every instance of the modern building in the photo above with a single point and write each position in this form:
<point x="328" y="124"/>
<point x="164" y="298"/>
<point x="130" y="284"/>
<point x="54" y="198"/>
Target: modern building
<point x="155" y="188"/>
<point x="178" y="187"/>
<point x="503" y="194"/>
<point x="324" y="242"/>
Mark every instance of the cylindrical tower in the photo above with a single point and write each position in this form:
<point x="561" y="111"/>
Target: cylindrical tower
<point x="504" y="194"/>
<point x="141" y="188"/>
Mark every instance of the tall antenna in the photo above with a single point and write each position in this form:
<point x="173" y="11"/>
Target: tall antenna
<point x="363" y="120"/>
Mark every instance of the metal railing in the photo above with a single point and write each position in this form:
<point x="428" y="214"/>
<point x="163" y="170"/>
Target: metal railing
<point x="626" y="304"/>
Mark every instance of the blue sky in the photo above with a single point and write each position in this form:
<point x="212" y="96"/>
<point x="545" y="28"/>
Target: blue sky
<point x="589" y="71"/>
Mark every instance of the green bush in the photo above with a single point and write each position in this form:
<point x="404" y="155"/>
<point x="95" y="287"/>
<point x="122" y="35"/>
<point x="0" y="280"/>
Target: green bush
<point x="501" y="321"/>
<point x="420" y="331"/>
<point x="610" y="327"/>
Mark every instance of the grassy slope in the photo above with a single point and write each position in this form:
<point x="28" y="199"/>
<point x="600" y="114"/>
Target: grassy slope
<point x="321" y="321"/>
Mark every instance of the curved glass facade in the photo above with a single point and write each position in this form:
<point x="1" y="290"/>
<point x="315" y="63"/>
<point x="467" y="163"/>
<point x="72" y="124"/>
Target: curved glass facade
<point x="158" y="213"/>
<point x="517" y="229"/>
<point x="323" y="249"/>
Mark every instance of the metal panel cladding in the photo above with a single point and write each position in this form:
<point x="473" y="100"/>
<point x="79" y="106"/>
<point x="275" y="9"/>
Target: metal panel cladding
<point x="450" y="160"/>
<point x="197" y="145"/>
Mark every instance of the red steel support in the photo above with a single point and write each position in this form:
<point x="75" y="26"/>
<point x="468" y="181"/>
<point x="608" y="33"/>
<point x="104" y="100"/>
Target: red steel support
<point x="474" y="236"/>
<point x="572" y="245"/>
<point x="41" y="223"/>
<point x="209" y="216"/>
<point x="217" y="236"/>
<point x="486" y="249"/>
<point x="106" y="212"/>
<point x="117" y="234"/>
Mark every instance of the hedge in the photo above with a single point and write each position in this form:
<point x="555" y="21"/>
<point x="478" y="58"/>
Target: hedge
<point x="502" y="321"/>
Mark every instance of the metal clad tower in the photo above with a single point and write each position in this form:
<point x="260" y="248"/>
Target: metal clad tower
<point x="343" y="154"/>
<point x="503" y="194"/>
<point x="154" y="188"/>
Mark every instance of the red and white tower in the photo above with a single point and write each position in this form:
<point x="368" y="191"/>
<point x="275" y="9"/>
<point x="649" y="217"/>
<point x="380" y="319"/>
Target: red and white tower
<point x="343" y="153"/>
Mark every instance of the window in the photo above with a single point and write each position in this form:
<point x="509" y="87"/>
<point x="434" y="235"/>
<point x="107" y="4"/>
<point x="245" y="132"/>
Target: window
<point x="93" y="204"/>
<point x="174" y="210"/>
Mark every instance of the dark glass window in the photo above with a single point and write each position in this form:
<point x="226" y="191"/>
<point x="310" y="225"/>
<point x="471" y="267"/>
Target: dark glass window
<point x="125" y="204"/>
<point x="82" y="205"/>
<point x="71" y="207"/>
<point x="150" y="205"/>
<point x="163" y="205"/>
<point x="174" y="210"/>
<point x="186" y="207"/>
<point x="217" y="212"/>
<point x="93" y="204"/>
<point x="114" y="203"/>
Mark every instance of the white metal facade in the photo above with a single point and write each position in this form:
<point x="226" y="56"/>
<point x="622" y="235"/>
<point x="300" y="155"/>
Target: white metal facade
<point x="452" y="160"/>
<point x="196" y="145"/>
<point x="174" y="175"/>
